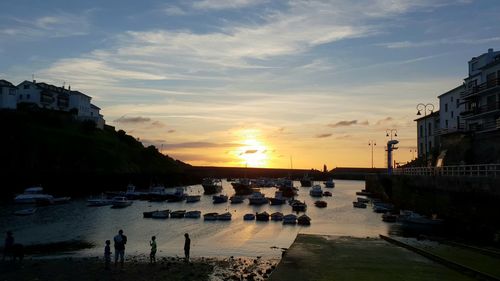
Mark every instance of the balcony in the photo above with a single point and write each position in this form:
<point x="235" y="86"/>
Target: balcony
<point x="481" y="109"/>
<point x="492" y="83"/>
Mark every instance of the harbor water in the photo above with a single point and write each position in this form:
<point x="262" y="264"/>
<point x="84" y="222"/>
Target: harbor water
<point x="77" y="221"/>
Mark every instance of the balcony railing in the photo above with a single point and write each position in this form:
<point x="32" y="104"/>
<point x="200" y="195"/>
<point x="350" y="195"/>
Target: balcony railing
<point x="481" y="109"/>
<point x="481" y="87"/>
<point x="483" y="170"/>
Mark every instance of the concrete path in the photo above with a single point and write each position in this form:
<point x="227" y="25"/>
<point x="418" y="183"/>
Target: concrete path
<point x="315" y="257"/>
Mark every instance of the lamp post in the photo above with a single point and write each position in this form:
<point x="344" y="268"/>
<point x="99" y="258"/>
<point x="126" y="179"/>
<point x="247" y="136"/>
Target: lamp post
<point x="389" y="132"/>
<point x="372" y="143"/>
<point x="428" y="109"/>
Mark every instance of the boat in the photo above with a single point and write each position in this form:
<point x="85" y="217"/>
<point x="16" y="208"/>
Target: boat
<point x="34" y="195"/>
<point x="287" y="188"/>
<point x="380" y="207"/>
<point x="264" y="216"/>
<point x="249" y="217"/>
<point x="158" y="214"/>
<point x="363" y="200"/>
<point x="243" y="187"/>
<point x="193" y="198"/>
<point x="177" y="214"/>
<point x="277" y="216"/>
<point x="329" y="183"/>
<point x="389" y="217"/>
<point x="278" y="198"/>
<point x="221" y="198"/>
<point x="306" y="181"/>
<point x="120" y="202"/>
<point x="289" y="219"/>
<point x="224" y="216"/>
<point x="157" y="193"/>
<point x="364" y="193"/>
<point x="327" y="193"/>
<point x="193" y="214"/>
<point x="316" y="191"/>
<point x="304" y="220"/>
<point x="257" y="198"/>
<point x="132" y="194"/>
<point x="357" y="204"/>
<point x="299" y="206"/>
<point x="412" y="219"/>
<point x="320" y="204"/>
<point x="25" y="212"/>
<point x="210" y="216"/>
<point x="99" y="201"/>
<point x="149" y="214"/>
<point x="211" y="186"/>
<point x="176" y="196"/>
<point x="236" y="199"/>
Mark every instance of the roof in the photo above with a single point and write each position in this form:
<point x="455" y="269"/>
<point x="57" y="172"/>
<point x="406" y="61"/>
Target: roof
<point x="79" y="93"/>
<point x="94" y="106"/>
<point x="432" y="115"/>
<point x="5" y="83"/>
<point x="452" y="90"/>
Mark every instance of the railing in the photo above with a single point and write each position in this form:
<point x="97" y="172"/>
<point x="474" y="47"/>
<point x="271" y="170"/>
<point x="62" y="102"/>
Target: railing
<point x="481" y="170"/>
<point x="481" y="87"/>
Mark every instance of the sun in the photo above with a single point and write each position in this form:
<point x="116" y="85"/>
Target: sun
<point x="253" y="153"/>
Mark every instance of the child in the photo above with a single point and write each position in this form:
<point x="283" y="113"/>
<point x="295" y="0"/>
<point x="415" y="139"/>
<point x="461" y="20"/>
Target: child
<point x="107" y="255"/>
<point x="152" y="255"/>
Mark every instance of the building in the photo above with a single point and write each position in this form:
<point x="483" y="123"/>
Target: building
<point x="450" y="108"/>
<point x="8" y="95"/>
<point x="428" y="130"/>
<point x="482" y="93"/>
<point x="51" y="97"/>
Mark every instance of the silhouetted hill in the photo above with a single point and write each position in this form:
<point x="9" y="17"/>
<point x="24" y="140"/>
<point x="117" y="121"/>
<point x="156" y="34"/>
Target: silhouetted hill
<point x="50" y="147"/>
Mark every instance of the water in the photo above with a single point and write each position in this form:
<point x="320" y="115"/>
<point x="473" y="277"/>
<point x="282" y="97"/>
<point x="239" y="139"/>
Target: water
<point x="208" y="238"/>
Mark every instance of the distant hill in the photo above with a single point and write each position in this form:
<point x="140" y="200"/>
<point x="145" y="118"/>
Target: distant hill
<point x="49" y="147"/>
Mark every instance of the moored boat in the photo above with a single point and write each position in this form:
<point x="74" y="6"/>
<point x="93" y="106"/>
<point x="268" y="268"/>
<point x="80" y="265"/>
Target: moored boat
<point x="193" y="214"/>
<point x="25" y="212"/>
<point x="329" y="183"/>
<point x="224" y="216"/>
<point x="210" y="216"/>
<point x="177" y="214"/>
<point x="34" y="195"/>
<point x="299" y="206"/>
<point x="286" y="186"/>
<point x="159" y="214"/>
<point x="243" y="187"/>
<point x="363" y="200"/>
<point x="327" y="193"/>
<point x="211" y="186"/>
<point x="257" y="198"/>
<point x="221" y="198"/>
<point x="236" y="199"/>
<point x="389" y="217"/>
<point x="357" y="204"/>
<point x="304" y="220"/>
<point x="289" y="219"/>
<point x="316" y="191"/>
<point x="193" y="198"/>
<point x="176" y="196"/>
<point x="306" y="181"/>
<point x="99" y="201"/>
<point x="149" y="214"/>
<point x="320" y="204"/>
<point x="277" y="216"/>
<point x="264" y="216"/>
<point x="249" y="217"/>
<point x="278" y="198"/>
<point x="120" y="202"/>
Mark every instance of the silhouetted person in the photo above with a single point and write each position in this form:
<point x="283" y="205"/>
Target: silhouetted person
<point x="152" y="255"/>
<point x="9" y="244"/>
<point x="107" y="255"/>
<point x="187" y="247"/>
<point x="120" y="241"/>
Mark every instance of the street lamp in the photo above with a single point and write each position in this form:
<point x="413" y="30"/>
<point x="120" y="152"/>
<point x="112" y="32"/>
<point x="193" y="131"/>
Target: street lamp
<point x="428" y="109"/>
<point x="390" y="131"/>
<point x="372" y="143"/>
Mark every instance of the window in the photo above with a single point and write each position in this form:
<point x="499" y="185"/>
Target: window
<point x="473" y="66"/>
<point x="430" y="130"/>
<point x="446" y="124"/>
<point x="20" y="97"/>
<point x="490" y="78"/>
<point x="451" y="98"/>
<point x="445" y="107"/>
<point x="458" y="103"/>
<point x="452" y="114"/>
<point x="421" y="130"/>
<point x="472" y="84"/>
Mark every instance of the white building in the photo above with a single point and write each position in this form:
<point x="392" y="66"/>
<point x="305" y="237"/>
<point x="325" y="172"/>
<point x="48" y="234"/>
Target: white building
<point x="450" y="108"/>
<point x="482" y="93"/>
<point x="8" y="95"/>
<point x="427" y="134"/>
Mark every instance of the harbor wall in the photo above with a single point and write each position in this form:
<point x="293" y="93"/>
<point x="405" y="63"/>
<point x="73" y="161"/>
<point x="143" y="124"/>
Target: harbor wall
<point x="470" y="205"/>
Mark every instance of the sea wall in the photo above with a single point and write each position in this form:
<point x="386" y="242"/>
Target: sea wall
<point x="470" y="204"/>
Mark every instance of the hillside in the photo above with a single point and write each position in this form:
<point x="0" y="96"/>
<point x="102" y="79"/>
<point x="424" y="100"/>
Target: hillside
<point x="46" y="146"/>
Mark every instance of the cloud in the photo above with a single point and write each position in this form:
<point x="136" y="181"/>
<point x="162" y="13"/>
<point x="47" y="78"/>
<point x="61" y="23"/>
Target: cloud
<point x="364" y="123"/>
<point x="443" y="41"/>
<point x="132" y="120"/>
<point x="384" y="121"/>
<point x="343" y="124"/>
<point x="174" y="11"/>
<point x="250" y="151"/>
<point x="157" y="124"/>
<point x="171" y="131"/>
<point x="323" y="136"/>
<point x="225" y="4"/>
<point x="200" y="144"/>
<point x="343" y="137"/>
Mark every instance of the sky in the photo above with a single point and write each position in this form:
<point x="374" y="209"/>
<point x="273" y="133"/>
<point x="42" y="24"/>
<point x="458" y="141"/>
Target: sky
<point x="255" y="83"/>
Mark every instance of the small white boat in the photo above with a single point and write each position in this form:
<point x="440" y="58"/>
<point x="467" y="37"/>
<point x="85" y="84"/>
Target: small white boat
<point x="25" y="212"/>
<point x="192" y="214"/>
<point x="34" y="195"/>
<point x="193" y="198"/>
<point x="120" y="202"/>
<point x="316" y="191"/>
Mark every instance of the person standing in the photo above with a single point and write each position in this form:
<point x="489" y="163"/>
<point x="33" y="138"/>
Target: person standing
<point x="107" y="255"/>
<point x="187" y="247"/>
<point x="9" y="244"/>
<point x="120" y="241"/>
<point x="152" y="255"/>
